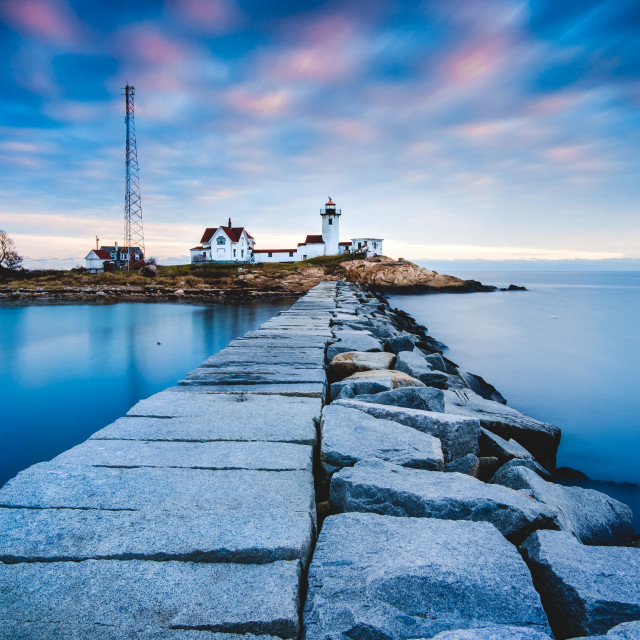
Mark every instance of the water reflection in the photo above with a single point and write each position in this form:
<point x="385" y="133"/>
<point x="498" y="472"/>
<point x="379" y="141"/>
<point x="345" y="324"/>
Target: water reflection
<point x="68" y="370"/>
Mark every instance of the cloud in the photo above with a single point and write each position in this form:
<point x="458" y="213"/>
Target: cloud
<point x="50" y="21"/>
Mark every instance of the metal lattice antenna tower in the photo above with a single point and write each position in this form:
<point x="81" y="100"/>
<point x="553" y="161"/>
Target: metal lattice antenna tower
<point x="133" y="231"/>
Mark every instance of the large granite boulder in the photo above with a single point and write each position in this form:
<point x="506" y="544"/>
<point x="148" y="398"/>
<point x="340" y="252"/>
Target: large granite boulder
<point x="479" y="385"/>
<point x="436" y="361"/>
<point x="540" y="438"/>
<point x="386" y="377"/>
<point x="350" y="362"/>
<point x="403" y="342"/>
<point x="493" y="633"/>
<point x="380" y="487"/>
<point x="524" y="462"/>
<point x="624" y="631"/>
<point x="349" y="435"/>
<point x="356" y="388"/>
<point x="374" y="577"/>
<point x="469" y="465"/>
<point x="423" y="398"/>
<point x="458" y="435"/>
<point x="352" y="341"/>
<point x="493" y="445"/>
<point x="416" y="365"/>
<point x="585" y="590"/>
<point x="593" y="517"/>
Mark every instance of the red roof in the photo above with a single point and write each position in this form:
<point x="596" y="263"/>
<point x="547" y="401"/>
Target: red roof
<point x="313" y="240"/>
<point x="344" y="244"/>
<point x="330" y="202"/>
<point x="234" y="233"/>
<point x="274" y="251"/>
<point x="102" y="254"/>
<point x="196" y="248"/>
<point x="208" y="234"/>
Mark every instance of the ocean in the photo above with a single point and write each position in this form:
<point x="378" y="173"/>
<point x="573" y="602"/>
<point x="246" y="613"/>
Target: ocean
<point x="68" y="370"/>
<point x="566" y="351"/>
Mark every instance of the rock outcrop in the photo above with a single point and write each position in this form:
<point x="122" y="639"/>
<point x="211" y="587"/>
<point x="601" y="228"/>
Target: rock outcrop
<point x="404" y="276"/>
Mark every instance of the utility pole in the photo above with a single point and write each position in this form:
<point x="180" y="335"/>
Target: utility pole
<point x="133" y="231"/>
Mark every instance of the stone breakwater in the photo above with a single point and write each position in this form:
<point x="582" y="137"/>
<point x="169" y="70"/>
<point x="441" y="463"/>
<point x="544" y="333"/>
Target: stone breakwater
<point x="330" y="475"/>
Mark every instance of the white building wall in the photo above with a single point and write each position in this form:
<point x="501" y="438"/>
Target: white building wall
<point x="94" y="264"/>
<point x="276" y="256"/>
<point x="331" y="233"/>
<point x="307" y="251"/>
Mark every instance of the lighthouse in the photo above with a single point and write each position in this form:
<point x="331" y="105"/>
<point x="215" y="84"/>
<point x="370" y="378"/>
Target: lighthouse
<point x="331" y="228"/>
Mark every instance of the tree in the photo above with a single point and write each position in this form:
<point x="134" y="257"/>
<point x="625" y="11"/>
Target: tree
<point x="9" y="258"/>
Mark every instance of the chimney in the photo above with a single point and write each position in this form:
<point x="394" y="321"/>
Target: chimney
<point x="229" y="225"/>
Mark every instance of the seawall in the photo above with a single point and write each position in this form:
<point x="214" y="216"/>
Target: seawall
<point x="330" y="475"/>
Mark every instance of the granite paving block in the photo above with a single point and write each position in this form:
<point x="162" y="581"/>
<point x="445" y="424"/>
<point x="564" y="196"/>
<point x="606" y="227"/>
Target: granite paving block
<point x="257" y="374"/>
<point x="318" y="335"/>
<point x="269" y="456"/>
<point x="302" y="389"/>
<point x="586" y="590"/>
<point x="144" y="595"/>
<point x="221" y="409"/>
<point x="380" y="487"/>
<point x="349" y="435"/>
<point x="282" y="357"/>
<point x="49" y="485"/>
<point x="48" y="535"/>
<point x="294" y="342"/>
<point x="375" y="577"/>
<point x="211" y="429"/>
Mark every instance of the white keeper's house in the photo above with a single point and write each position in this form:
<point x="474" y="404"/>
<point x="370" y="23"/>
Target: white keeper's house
<point x="235" y="244"/>
<point x="224" y="244"/>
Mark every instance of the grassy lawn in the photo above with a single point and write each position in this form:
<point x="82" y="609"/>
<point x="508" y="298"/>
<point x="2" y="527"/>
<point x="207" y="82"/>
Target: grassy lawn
<point x="199" y="275"/>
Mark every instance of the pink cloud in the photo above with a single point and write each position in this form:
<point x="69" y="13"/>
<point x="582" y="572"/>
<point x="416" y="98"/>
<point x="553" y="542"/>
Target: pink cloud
<point x="210" y="16"/>
<point x="153" y="47"/>
<point x="50" y="21"/>
<point x="269" y="103"/>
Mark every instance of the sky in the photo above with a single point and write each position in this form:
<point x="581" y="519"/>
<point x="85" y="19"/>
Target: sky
<point x="453" y="129"/>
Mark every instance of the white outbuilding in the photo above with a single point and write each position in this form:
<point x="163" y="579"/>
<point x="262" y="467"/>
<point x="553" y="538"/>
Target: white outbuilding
<point x="96" y="260"/>
<point x="369" y="246"/>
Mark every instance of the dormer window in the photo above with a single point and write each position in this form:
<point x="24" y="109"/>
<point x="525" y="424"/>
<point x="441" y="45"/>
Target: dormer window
<point x="221" y="240"/>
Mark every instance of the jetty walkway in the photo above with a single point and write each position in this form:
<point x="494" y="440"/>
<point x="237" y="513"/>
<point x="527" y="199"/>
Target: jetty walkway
<point x="328" y="476"/>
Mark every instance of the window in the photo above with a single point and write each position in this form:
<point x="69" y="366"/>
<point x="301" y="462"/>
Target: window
<point x="330" y="220"/>
<point x="242" y="253"/>
<point x="234" y="253"/>
<point x="291" y="254"/>
<point x="270" y="255"/>
<point x="359" y="245"/>
<point x="221" y="240"/>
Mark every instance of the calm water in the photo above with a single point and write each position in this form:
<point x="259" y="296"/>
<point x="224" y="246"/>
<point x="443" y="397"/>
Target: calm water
<point x="69" y="370"/>
<point x="567" y="352"/>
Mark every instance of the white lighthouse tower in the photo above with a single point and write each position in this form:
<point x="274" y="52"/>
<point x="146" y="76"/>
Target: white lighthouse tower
<point x="331" y="228"/>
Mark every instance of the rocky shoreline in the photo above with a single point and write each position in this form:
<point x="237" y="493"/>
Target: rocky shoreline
<point x="329" y="475"/>
<point x="228" y="283"/>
